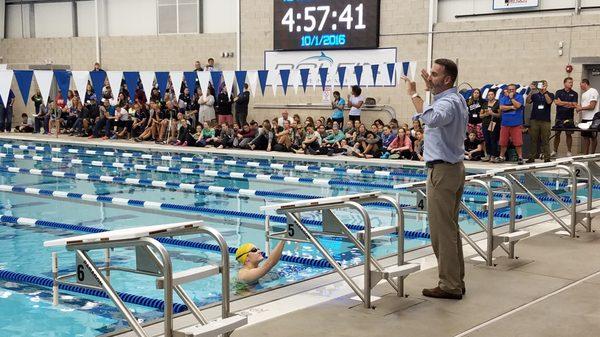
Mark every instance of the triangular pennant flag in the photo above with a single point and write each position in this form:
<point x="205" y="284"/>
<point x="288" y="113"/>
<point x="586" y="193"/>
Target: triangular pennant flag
<point x="273" y="79"/>
<point x="131" y="79"/>
<point x="358" y="73"/>
<point x="405" y="68"/>
<point x="44" y="81"/>
<point x="304" y="72"/>
<point x="228" y="78"/>
<point x="176" y="79"/>
<point x="314" y="77"/>
<point x="262" y="79"/>
<point x="114" y="80"/>
<point x="253" y="81"/>
<point x="240" y="79"/>
<point x="190" y="81"/>
<point x="391" y="67"/>
<point x="215" y="78"/>
<point x="147" y="78"/>
<point x="285" y="78"/>
<point x="6" y="77"/>
<point x="81" y="79"/>
<point x="341" y="75"/>
<point x="204" y="79"/>
<point x="24" y="78"/>
<point x="412" y="70"/>
<point x="63" y="80"/>
<point x="97" y="82"/>
<point x="375" y="72"/>
<point x="162" y="79"/>
<point x="323" y="77"/>
<point x="295" y="78"/>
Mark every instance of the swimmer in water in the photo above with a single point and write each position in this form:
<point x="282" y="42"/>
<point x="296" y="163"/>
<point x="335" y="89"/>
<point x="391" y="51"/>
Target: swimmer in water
<point x="250" y="257"/>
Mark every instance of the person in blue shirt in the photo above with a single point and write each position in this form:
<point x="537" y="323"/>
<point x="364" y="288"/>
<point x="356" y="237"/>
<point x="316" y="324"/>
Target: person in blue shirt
<point x="539" y="124"/>
<point x="338" y="105"/>
<point x="512" y="106"/>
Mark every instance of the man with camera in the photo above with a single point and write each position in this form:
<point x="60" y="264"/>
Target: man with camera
<point x="566" y="101"/>
<point x="539" y="123"/>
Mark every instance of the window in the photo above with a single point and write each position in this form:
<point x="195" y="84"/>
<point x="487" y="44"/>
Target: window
<point x="178" y="16"/>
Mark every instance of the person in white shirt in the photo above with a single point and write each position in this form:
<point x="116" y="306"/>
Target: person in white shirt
<point x="588" y="109"/>
<point x="206" y="111"/>
<point x="285" y="116"/>
<point x="355" y="103"/>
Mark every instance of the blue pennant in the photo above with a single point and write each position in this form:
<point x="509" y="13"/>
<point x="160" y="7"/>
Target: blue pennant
<point x="162" y="78"/>
<point x="323" y="75"/>
<point x="262" y="79"/>
<point x="405" y="66"/>
<point x="304" y="77"/>
<point x="215" y="77"/>
<point x="63" y="80"/>
<point x="131" y="79"/>
<point x="98" y="82"/>
<point x="240" y="78"/>
<point x="375" y="70"/>
<point x="342" y="75"/>
<point x="358" y="72"/>
<point x="190" y="81"/>
<point x="285" y="78"/>
<point x="24" y="78"/>
<point x="390" y="69"/>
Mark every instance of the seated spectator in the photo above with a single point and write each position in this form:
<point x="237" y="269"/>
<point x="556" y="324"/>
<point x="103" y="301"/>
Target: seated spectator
<point x="208" y="134"/>
<point x="331" y="144"/>
<point x="416" y="127"/>
<point x="284" y="138"/>
<point x="264" y="138"/>
<point x="226" y="136"/>
<point x="183" y="128"/>
<point x="140" y="119"/>
<point x="124" y="122"/>
<point x="296" y="118"/>
<point x="26" y="125"/>
<point x="243" y="137"/>
<point x="285" y="116"/>
<point x="311" y="143"/>
<point x="418" y="146"/>
<point x="366" y="143"/>
<point x="473" y="147"/>
<point x="40" y="120"/>
<point x="387" y="137"/>
<point x="400" y="148"/>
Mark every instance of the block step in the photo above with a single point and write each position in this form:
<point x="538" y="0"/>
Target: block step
<point x="213" y="328"/>
<point x="592" y="212"/>
<point x="399" y="271"/>
<point x="497" y="204"/>
<point x="579" y="186"/>
<point x="378" y="231"/>
<point x="189" y="275"/>
<point x="513" y="237"/>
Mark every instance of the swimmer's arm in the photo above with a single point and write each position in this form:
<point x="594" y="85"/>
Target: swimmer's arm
<point x="254" y="274"/>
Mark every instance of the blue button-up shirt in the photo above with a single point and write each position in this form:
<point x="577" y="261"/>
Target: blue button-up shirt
<point x="445" y="127"/>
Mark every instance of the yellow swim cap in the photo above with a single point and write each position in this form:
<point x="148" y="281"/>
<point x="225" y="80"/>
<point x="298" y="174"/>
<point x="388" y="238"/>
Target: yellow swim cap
<point x="241" y="254"/>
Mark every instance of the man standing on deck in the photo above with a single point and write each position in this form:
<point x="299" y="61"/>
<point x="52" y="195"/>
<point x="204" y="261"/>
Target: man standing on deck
<point x="446" y="123"/>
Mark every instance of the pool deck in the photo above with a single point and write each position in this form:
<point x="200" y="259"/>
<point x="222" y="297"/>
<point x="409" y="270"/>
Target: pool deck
<point x="552" y="290"/>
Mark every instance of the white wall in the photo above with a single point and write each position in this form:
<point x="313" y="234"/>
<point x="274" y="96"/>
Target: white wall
<point x="53" y="20"/>
<point x="2" y="18"/>
<point x="14" y="27"/>
<point x="220" y="16"/>
<point x="86" y="18"/>
<point x="131" y="17"/>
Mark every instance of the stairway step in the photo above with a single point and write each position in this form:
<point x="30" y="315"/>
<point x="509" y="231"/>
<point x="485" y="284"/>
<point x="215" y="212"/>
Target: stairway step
<point x="189" y="275"/>
<point x="213" y="328"/>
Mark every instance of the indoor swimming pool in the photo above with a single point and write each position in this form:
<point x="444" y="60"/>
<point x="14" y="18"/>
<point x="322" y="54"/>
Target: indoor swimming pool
<point x="58" y="190"/>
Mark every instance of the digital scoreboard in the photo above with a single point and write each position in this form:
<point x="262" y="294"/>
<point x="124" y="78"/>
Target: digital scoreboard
<point x="326" y="24"/>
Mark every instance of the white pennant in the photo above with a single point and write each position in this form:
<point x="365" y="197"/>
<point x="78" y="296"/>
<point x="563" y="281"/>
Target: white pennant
<point x="6" y="77"/>
<point x="204" y="78"/>
<point x="81" y="78"/>
<point x="176" y="79"/>
<point x="147" y="78"/>
<point x="44" y="81"/>
<point x="274" y="79"/>
<point x="228" y="77"/>
<point x="367" y="76"/>
<point x="114" y="80"/>
<point x="296" y="79"/>
<point x="313" y="76"/>
<point x="412" y="70"/>
<point x="252" y="81"/>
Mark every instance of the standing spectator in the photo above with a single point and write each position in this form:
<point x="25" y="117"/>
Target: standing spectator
<point x="241" y="105"/>
<point x="338" y="105"/>
<point x="197" y="67"/>
<point x="97" y="67"/>
<point x="40" y="120"/>
<point x="566" y="102"/>
<point x="539" y="124"/>
<point x="588" y="109"/>
<point x="6" y="111"/>
<point x="206" y="110"/>
<point x="210" y="66"/>
<point x="38" y="100"/>
<point x="355" y="103"/>
<point x="491" y="119"/>
<point x="474" y="104"/>
<point x="446" y="121"/>
<point x="223" y="107"/>
<point x="512" y="106"/>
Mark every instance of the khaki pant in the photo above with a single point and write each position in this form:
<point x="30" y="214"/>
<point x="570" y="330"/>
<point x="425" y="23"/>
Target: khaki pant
<point x="445" y="184"/>
<point x="539" y="131"/>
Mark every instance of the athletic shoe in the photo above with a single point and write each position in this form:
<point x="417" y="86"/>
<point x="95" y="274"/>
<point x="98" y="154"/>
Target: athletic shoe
<point x="569" y="154"/>
<point x="485" y="158"/>
<point x="530" y="160"/>
<point x="499" y="160"/>
<point x="553" y="154"/>
<point x="520" y="161"/>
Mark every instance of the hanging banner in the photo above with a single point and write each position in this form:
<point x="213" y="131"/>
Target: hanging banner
<point x="375" y="73"/>
<point x="253" y="81"/>
<point x="131" y="80"/>
<point x="274" y="79"/>
<point x="44" y="81"/>
<point x="514" y="4"/>
<point x="326" y="59"/>
<point x="262" y="79"/>
<point x="204" y="79"/>
<point x="240" y="79"/>
<point x="6" y="77"/>
<point x="176" y="79"/>
<point x="81" y="79"/>
<point x="295" y="78"/>
<point x="97" y="82"/>
<point x="341" y="71"/>
<point x="304" y="73"/>
<point x="147" y="78"/>
<point x="358" y="70"/>
<point x="285" y="77"/>
<point x="162" y="79"/>
<point x="190" y="81"/>
<point x="114" y="80"/>
<point x="323" y="77"/>
<point x="228" y="77"/>
<point x="24" y="78"/>
<point x="215" y="78"/>
<point x="63" y="81"/>
<point x="412" y="70"/>
<point x="391" y="68"/>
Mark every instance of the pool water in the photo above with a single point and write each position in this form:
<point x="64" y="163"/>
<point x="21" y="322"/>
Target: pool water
<point x="78" y="315"/>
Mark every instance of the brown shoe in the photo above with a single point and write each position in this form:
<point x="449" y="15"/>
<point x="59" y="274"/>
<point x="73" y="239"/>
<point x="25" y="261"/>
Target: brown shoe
<point x="437" y="292"/>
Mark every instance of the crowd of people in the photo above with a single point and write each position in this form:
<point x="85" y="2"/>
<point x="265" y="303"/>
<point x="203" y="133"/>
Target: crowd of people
<point x="496" y="122"/>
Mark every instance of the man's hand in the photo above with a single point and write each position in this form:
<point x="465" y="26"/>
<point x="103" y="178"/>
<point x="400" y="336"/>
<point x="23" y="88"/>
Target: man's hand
<point x="425" y="77"/>
<point x="511" y="94"/>
<point x="411" y="86"/>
